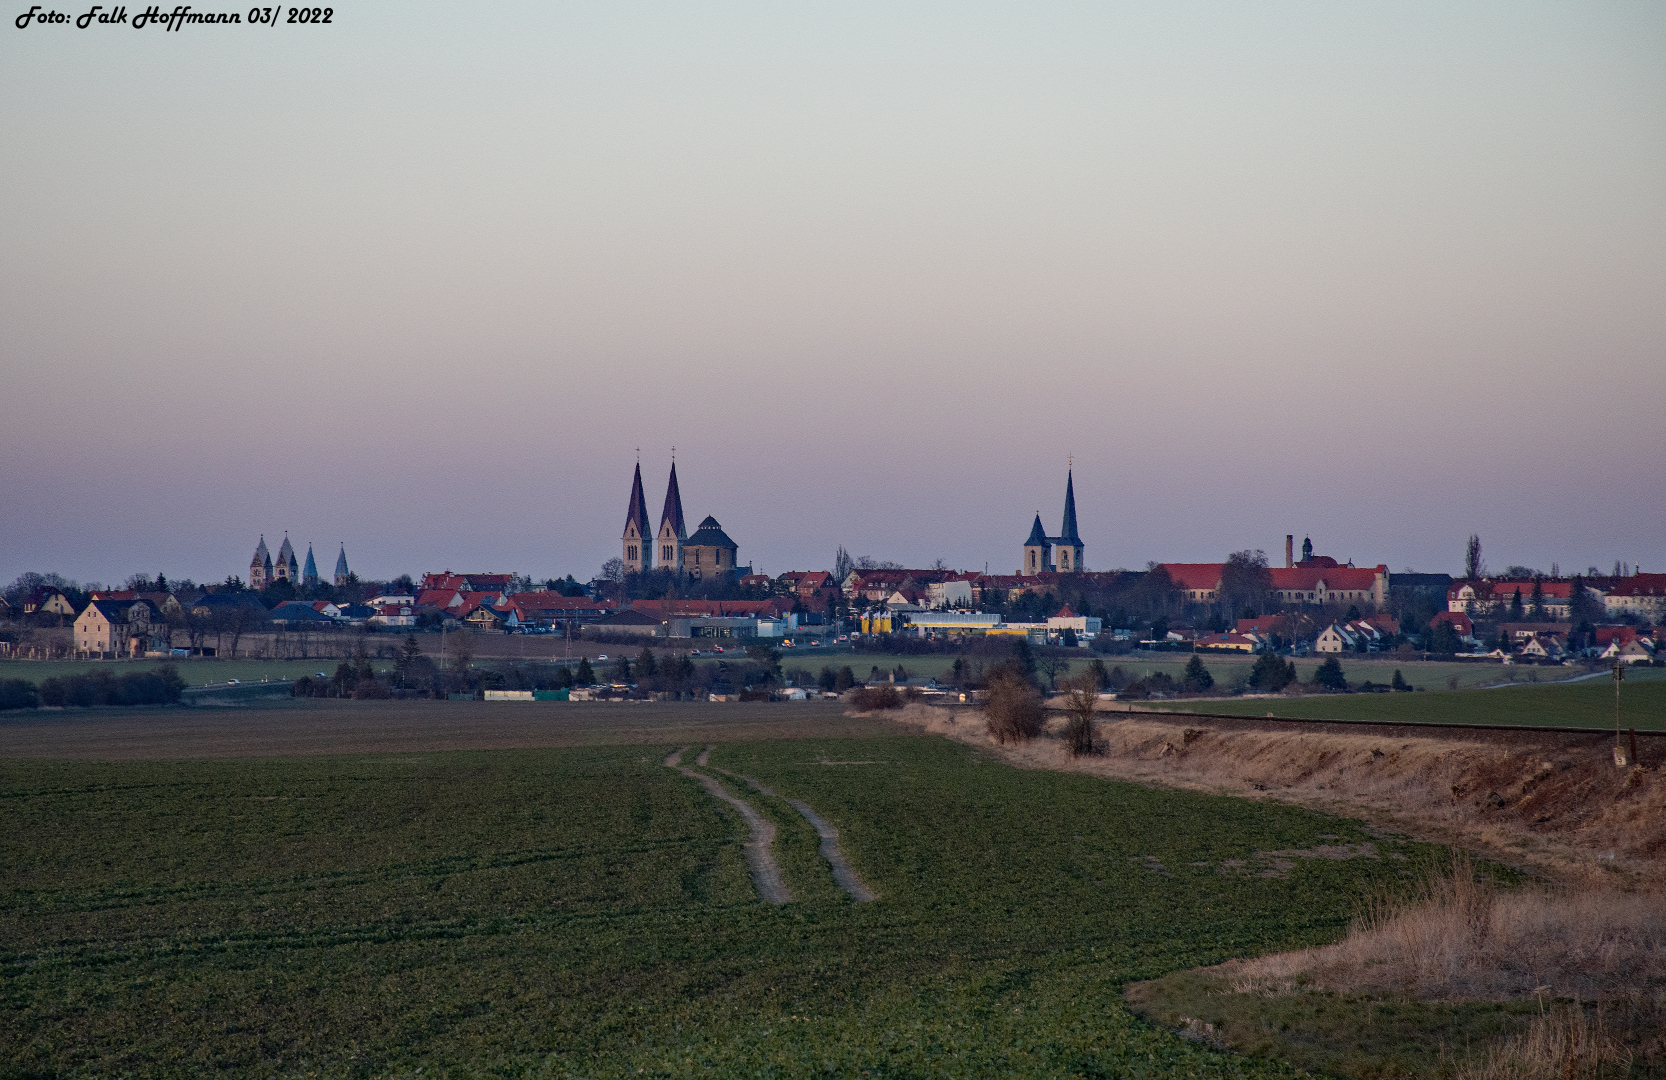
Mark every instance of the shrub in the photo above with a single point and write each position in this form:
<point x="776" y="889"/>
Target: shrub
<point x="1013" y="710"/>
<point x="875" y="698"/>
<point x="1157" y="682"/>
<point x="160" y="687"/>
<point x="18" y="694"/>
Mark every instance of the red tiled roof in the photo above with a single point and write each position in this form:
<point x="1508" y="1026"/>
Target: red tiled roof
<point x="1462" y="623"/>
<point x="1195" y="575"/>
<point x="1641" y="585"/>
<point x="1336" y="578"/>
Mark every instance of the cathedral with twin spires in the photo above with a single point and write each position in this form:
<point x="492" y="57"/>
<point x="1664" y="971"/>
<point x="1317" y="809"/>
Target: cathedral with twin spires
<point x="707" y="553"/>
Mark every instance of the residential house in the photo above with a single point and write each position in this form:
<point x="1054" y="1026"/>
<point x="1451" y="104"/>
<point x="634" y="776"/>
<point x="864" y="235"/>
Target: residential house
<point x="484" y="617"/>
<point x="1460" y="622"/>
<point x="876" y="585"/>
<point x="1630" y="652"/>
<point x="395" y="615"/>
<point x="466" y="582"/>
<point x="299" y="614"/>
<point x="1085" y="627"/>
<point x="110" y="629"/>
<point x="1356" y="636"/>
<point x="1233" y="642"/>
<point x="1547" y="647"/>
<point x="48" y="601"/>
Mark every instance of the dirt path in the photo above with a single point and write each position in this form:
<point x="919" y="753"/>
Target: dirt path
<point x="843" y="875"/>
<point x="766" y="875"/>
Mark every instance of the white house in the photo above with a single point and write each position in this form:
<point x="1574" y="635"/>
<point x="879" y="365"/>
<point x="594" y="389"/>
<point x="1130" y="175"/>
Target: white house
<point x="1334" y="639"/>
<point x="950" y="594"/>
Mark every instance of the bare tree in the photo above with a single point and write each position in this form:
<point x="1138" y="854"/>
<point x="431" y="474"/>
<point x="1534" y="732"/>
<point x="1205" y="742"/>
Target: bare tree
<point x="1474" y="568"/>
<point x="843" y="564"/>
<point x="1052" y="665"/>
<point x="1013" y="710"/>
<point x="1246" y="583"/>
<point x="1080" y="699"/>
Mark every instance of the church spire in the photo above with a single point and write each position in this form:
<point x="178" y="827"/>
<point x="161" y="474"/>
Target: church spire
<point x="637" y="513"/>
<point x="673" y="513"/>
<point x="636" y="542"/>
<point x="1067" y="532"/>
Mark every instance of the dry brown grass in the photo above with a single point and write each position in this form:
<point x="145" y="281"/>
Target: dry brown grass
<point x="1595" y="959"/>
<point x="1564" y="1044"/>
<point x="1463" y="939"/>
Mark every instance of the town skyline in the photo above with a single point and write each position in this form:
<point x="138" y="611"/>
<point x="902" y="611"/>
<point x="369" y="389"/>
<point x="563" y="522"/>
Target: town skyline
<point x="1495" y="561"/>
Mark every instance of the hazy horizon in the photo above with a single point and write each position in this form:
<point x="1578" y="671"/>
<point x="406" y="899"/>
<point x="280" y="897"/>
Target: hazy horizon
<point x="424" y="283"/>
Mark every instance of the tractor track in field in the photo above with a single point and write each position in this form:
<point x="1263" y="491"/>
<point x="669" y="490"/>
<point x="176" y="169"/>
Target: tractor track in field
<point x="766" y="873"/>
<point x="843" y="875"/>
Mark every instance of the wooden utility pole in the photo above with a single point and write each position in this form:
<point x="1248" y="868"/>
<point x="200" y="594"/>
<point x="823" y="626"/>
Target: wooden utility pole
<point x="1619" y="677"/>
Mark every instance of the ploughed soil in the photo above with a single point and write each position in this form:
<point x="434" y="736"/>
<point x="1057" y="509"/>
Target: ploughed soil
<point x="1550" y="803"/>
<point x="281" y="726"/>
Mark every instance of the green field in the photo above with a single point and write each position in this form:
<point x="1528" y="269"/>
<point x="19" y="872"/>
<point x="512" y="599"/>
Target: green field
<point x="1584" y="704"/>
<point x="586" y="912"/>
<point x="197" y="672"/>
<point x="1431" y="675"/>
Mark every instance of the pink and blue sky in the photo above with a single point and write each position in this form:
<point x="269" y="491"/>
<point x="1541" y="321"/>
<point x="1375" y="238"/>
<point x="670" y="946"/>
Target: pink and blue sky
<point x="423" y="280"/>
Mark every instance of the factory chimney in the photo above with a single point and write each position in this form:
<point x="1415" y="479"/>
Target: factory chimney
<point x="1289" y="550"/>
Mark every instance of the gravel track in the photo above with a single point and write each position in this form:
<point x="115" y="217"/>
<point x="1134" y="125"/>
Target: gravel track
<point x="766" y="874"/>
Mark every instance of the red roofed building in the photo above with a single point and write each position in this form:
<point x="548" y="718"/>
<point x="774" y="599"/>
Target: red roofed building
<point x="1460" y="622"/>
<point x="1313" y="581"/>
<point x="549" y="608"/>
<point x="1643" y="595"/>
<point x="466" y="582"/>
<point x="805" y="583"/>
<point x="1488" y="596"/>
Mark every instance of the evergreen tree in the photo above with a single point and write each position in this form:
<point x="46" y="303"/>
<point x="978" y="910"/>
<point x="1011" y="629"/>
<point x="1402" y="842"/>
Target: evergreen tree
<point x="646" y="666"/>
<point x="828" y="679"/>
<point x="1516" y="612"/>
<point x="1399" y="684"/>
<point x="1196" y="677"/>
<point x="1330" y="676"/>
<point x="1270" y="674"/>
<point x="586" y="675"/>
<point x="845" y="679"/>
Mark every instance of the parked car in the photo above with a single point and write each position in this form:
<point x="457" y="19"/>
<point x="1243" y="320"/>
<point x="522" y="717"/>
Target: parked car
<point x="602" y="656"/>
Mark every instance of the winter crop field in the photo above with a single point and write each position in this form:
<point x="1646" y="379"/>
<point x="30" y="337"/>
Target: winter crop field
<point x="1584" y="704"/>
<point x="588" y="911"/>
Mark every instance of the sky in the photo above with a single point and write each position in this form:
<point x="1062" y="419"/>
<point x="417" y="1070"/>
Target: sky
<point x="426" y="280"/>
